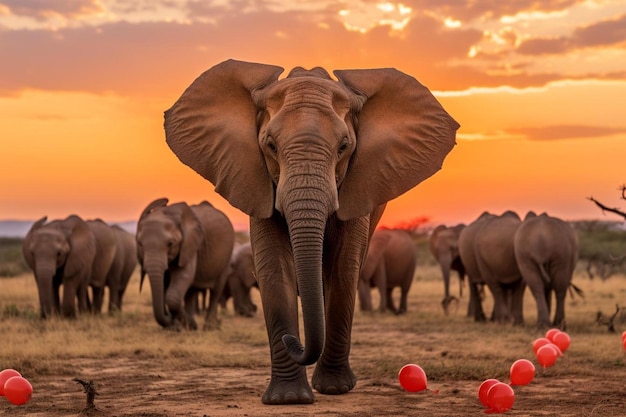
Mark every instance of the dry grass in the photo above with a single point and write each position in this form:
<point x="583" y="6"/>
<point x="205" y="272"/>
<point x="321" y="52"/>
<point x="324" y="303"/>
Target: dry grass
<point x="452" y="346"/>
<point x="449" y="348"/>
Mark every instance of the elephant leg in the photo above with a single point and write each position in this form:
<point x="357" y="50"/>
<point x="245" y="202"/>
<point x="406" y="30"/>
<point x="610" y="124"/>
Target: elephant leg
<point x="333" y="374"/>
<point x="56" y="294"/>
<point x="500" y="310"/>
<point x="365" y="296"/>
<point x="475" y="303"/>
<point x="380" y="282"/>
<point x="114" y="298"/>
<point x="98" y="298"/>
<point x="390" y="304"/>
<point x="517" y="302"/>
<point x="191" y="306"/>
<point x="277" y="285"/>
<point x="211" y="320"/>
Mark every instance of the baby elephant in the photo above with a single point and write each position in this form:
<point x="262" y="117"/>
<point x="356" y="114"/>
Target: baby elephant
<point x="390" y="263"/>
<point x="240" y="280"/>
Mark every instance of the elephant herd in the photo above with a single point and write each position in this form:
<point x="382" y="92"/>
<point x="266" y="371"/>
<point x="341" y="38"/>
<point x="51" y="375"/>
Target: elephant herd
<point x="507" y="254"/>
<point x="184" y="250"/>
<point x="313" y="161"/>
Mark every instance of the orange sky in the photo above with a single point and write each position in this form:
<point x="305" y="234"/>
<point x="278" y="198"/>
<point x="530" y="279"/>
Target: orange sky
<point x="539" y="91"/>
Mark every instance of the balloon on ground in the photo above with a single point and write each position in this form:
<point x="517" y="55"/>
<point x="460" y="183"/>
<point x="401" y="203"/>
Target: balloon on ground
<point x="500" y="398"/>
<point x="18" y="390"/>
<point x="412" y="378"/>
<point x="5" y="375"/>
<point x="522" y="372"/>
<point x="550" y="333"/>
<point x="483" y="390"/>
<point x="562" y="341"/>
<point x="547" y="355"/>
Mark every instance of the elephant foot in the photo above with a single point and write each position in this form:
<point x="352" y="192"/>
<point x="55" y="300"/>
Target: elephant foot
<point x="333" y="381"/>
<point x="289" y="391"/>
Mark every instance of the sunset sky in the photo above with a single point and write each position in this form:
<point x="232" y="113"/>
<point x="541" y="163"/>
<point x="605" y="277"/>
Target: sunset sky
<point x="539" y="88"/>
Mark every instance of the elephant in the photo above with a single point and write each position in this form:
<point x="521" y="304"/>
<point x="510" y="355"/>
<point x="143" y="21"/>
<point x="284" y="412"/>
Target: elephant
<point x="124" y="264"/>
<point x="444" y="246"/>
<point x="240" y="280"/>
<point x="467" y="237"/>
<point x="494" y="258"/>
<point x="184" y="249"/>
<point x="390" y="263"/>
<point x="312" y="161"/>
<point x="61" y="252"/>
<point x="546" y="249"/>
<point x="113" y="265"/>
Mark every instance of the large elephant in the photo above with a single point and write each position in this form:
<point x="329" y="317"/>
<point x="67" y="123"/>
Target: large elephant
<point x="390" y="263"/>
<point x="313" y="161"/>
<point x="61" y="252"/>
<point x="494" y="258"/>
<point x="546" y="249"/>
<point x="184" y="249"/>
<point x="444" y="246"/>
<point x="240" y="280"/>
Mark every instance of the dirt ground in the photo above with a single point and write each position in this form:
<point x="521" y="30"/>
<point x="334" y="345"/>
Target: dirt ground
<point x="140" y="387"/>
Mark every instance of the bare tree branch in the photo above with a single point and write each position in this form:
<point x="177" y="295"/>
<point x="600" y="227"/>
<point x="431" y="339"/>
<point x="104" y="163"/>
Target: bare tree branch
<point x="609" y="209"/>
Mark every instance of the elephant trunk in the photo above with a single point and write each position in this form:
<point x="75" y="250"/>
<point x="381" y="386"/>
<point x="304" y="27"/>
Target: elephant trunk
<point x="44" y="273"/>
<point x="306" y="219"/>
<point x="156" y="273"/>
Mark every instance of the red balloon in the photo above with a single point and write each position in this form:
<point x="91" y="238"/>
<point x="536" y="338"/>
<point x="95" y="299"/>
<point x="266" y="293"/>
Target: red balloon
<point x="483" y="390"/>
<point x="624" y="343"/>
<point x="623" y="335"/>
<point x="412" y="378"/>
<point x="540" y="342"/>
<point x="18" y="390"/>
<point x="546" y="355"/>
<point x="500" y="398"/>
<point x="561" y="340"/>
<point x="522" y="372"/>
<point x="4" y="376"/>
<point x="550" y="333"/>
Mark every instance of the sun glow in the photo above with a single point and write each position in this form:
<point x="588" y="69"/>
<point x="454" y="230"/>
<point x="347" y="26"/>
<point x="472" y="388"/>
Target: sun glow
<point x="362" y="17"/>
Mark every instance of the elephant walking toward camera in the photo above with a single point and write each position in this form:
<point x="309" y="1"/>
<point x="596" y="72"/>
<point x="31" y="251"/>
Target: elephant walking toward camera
<point x="114" y="263"/>
<point x="184" y="249"/>
<point x="444" y="246"/>
<point x="390" y="263"/>
<point x="313" y="161"/>
<point x="546" y="249"/>
<point x="61" y="252"/>
<point x="240" y="280"/>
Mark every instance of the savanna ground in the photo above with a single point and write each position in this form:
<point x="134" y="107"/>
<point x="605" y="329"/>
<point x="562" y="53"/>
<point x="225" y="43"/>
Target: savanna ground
<point x="141" y="370"/>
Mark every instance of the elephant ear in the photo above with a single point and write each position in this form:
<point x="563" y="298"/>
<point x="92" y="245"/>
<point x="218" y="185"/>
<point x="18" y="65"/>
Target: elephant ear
<point x="82" y="246"/>
<point x="28" y="257"/>
<point x="192" y="235"/>
<point x="159" y="202"/>
<point x="403" y="136"/>
<point x="212" y="128"/>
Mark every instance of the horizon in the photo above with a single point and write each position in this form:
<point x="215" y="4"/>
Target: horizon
<point x="539" y="91"/>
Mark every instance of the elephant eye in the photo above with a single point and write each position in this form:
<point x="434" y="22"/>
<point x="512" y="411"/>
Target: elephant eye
<point x="271" y="145"/>
<point x="170" y="243"/>
<point x="343" y="146"/>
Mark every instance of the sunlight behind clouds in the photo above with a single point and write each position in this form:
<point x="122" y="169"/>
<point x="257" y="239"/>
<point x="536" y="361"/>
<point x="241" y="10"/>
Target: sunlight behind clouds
<point x="360" y="16"/>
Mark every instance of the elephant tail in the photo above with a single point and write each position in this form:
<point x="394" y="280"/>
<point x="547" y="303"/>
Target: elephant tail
<point x="544" y="274"/>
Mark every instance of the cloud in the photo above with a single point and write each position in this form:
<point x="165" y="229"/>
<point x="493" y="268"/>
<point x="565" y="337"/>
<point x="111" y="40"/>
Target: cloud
<point x="45" y="9"/>
<point x="610" y="32"/>
<point x="567" y="132"/>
